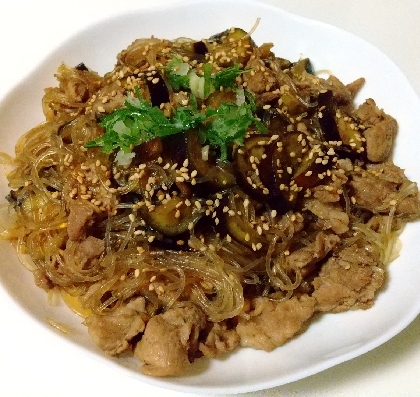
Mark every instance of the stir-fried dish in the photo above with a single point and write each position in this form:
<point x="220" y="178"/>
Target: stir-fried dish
<point x="206" y="195"/>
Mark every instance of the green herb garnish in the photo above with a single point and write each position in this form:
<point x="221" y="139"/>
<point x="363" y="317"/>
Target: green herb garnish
<point x="228" y="124"/>
<point x="138" y="122"/>
<point x="227" y="77"/>
<point x="181" y="76"/>
<point x="177" y="73"/>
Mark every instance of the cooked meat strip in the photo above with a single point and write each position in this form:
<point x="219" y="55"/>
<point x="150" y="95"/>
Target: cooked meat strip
<point x="341" y="94"/>
<point x="326" y="195"/>
<point x="307" y="257"/>
<point x="220" y="339"/>
<point x="261" y="79"/>
<point x="79" y="217"/>
<point x="378" y="188"/>
<point x="330" y="215"/>
<point x="78" y="84"/>
<point x="80" y="255"/>
<point x="42" y="280"/>
<point x="380" y="132"/>
<point x="349" y="280"/>
<point x="331" y="193"/>
<point x="91" y="247"/>
<point x="144" y="52"/>
<point x="170" y="339"/>
<point x="272" y="323"/>
<point x="113" y="331"/>
<point x="354" y="87"/>
<point x="108" y="99"/>
<point x="387" y="171"/>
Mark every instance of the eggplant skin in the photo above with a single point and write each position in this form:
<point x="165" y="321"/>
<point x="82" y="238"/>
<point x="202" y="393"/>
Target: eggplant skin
<point x="200" y="48"/>
<point x="158" y="90"/>
<point x="81" y="67"/>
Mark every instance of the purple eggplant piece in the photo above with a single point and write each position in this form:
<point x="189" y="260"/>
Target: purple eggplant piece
<point x="158" y="90"/>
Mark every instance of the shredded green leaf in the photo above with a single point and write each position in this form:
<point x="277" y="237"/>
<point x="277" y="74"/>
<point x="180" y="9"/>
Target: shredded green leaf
<point x="138" y="122"/>
<point x="177" y="73"/>
<point x="181" y="76"/>
<point x="227" y="77"/>
<point x="208" y="80"/>
<point x="228" y="124"/>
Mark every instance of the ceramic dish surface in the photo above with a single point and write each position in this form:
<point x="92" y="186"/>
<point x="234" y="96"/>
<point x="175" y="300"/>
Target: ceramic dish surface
<point x="331" y="339"/>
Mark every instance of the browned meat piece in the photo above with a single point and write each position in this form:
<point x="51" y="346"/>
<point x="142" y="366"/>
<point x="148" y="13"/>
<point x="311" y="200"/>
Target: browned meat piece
<point x="76" y="90"/>
<point x="330" y="215"/>
<point x="409" y="206"/>
<point x="380" y="133"/>
<point x="78" y="219"/>
<point x="108" y="99"/>
<point x="91" y="247"/>
<point x="267" y="97"/>
<point x="380" y="139"/>
<point x="325" y="195"/>
<point x="271" y="323"/>
<point x="307" y="257"/>
<point x="388" y="172"/>
<point x="161" y="349"/>
<point x="41" y="279"/>
<point x="79" y="256"/>
<point x="377" y="189"/>
<point x="369" y="114"/>
<point x="341" y="93"/>
<point x="345" y="164"/>
<point x="331" y="193"/>
<point x="354" y="87"/>
<point x="145" y="52"/>
<point x="170" y="340"/>
<point x="371" y="192"/>
<point x="349" y="280"/>
<point x="220" y="339"/>
<point x="78" y="85"/>
<point x="113" y="332"/>
<point x="344" y="94"/>
<point x="260" y="79"/>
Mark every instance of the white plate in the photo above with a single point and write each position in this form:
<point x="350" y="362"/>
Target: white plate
<point x="330" y="340"/>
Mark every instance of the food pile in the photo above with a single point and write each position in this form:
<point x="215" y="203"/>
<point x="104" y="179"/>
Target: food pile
<point x="206" y="195"/>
